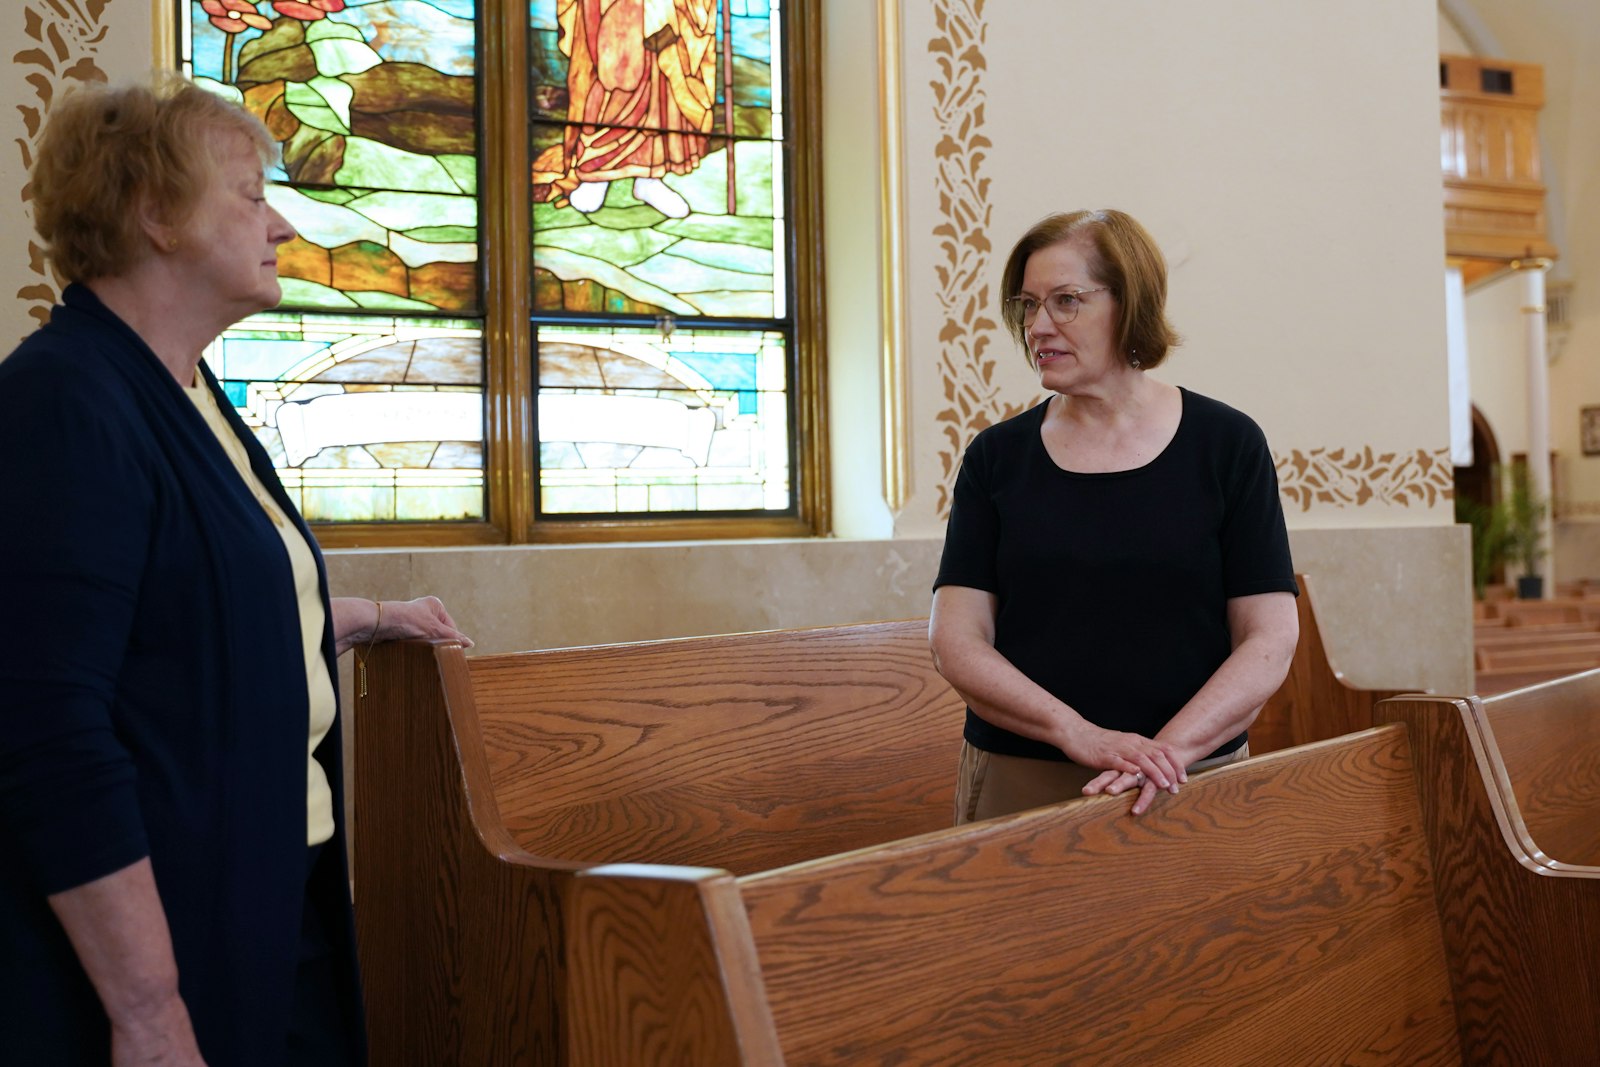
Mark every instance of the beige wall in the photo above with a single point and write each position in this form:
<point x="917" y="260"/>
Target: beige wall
<point x="1283" y="154"/>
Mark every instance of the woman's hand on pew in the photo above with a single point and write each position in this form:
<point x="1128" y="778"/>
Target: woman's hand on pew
<point x="1115" y="783"/>
<point x="1127" y="760"/>
<point x="425" y="618"/>
<point x="360" y="623"/>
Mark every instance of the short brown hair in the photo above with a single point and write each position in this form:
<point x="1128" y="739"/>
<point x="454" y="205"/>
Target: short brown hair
<point x="104" y="150"/>
<point x="1123" y="257"/>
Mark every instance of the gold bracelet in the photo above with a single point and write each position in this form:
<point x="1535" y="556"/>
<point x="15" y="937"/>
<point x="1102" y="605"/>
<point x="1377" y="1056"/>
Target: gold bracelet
<point x="361" y="657"/>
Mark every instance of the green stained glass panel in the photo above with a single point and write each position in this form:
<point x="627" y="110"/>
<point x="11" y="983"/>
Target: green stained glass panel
<point x="368" y="418"/>
<point x="703" y="246"/>
<point x="634" y="423"/>
<point x="397" y="251"/>
<point x="374" y="109"/>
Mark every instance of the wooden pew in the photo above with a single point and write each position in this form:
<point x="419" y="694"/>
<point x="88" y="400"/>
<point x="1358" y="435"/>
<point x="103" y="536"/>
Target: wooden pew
<point x="1289" y="909"/>
<point x="1544" y="746"/>
<point x="1520" y="930"/>
<point x="482" y="785"/>
<point x="1278" y="911"/>
<point x="1495" y="681"/>
<point x="1540" y="612"/>
<point x="1572" y="655"/>
<point x="1536" y="637"/>
<point x="1315" y="701"/>
<point x="462" y="923"/>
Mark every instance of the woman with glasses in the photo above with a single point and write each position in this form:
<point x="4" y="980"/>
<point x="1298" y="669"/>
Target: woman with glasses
<point x="1116" y="600"/>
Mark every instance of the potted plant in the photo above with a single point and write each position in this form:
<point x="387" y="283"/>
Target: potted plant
<point x="1523" y="517"/>
<point x="1489" y="551"/>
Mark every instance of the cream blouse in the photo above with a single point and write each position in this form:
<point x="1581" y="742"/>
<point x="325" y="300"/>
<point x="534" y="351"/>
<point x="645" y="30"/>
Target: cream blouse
<point x="319" y="686"/>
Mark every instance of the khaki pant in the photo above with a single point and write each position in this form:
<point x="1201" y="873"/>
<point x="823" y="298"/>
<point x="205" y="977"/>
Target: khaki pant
<point x="989" y="784"/>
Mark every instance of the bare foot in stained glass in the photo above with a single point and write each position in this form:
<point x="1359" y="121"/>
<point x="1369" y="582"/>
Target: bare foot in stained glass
<point x="588" y="196"/>
<point x="658" y="195"/>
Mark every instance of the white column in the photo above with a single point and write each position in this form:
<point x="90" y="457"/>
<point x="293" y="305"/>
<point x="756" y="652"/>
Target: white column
<point x="1538" y="370"/>
<point x="1455" y="333"/>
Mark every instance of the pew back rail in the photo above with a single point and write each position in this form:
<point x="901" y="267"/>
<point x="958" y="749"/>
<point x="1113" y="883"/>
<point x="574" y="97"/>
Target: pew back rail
<point x="1245" y="921"/>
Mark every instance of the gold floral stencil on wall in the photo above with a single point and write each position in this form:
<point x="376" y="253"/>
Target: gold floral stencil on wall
<point x="66" y="37"/>
<point x="1357" y="476"/>
<point x="966" y="364"/>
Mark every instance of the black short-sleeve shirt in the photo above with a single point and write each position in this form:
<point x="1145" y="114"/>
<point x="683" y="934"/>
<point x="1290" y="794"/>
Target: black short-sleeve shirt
<point x="1113" y="587"/>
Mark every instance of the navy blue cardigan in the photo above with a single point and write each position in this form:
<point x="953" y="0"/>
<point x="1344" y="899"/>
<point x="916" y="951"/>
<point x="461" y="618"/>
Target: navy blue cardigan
<point x="152" y="698"/>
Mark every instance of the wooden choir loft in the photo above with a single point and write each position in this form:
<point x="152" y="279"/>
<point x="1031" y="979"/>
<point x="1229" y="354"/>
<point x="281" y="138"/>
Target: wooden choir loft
<point x="1494" y="192"/>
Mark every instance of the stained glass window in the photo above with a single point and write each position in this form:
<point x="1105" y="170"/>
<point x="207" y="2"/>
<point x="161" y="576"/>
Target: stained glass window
<point x="657" y="177"/>
<point x="369" y="417"/>
<point x="658" y="189"/>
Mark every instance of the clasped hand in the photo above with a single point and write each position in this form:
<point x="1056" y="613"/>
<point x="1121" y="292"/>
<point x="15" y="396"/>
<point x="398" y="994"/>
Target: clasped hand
<point x="1128" y="761"/>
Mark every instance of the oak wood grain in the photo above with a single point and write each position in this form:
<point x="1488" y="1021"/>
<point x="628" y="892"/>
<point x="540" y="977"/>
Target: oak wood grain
<point x="459" y="929"/>
<point x="744" y="752"/>
<point x="1278" y="911"/>
<point x="482" y="785"/>
<point x="1520" y="936"/>
<point x="672" y="969"/>
<point x="1545" y="741"/>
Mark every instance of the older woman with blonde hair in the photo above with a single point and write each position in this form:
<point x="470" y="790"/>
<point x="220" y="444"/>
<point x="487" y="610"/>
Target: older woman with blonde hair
<point x="174" y="888"/>
<point x="1115" y="600"/>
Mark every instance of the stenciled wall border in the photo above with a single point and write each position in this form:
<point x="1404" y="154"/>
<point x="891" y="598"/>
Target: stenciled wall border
<point x="63" y="41"/>
<point x="961" y="234"/>
<point x="1358" y="476"/>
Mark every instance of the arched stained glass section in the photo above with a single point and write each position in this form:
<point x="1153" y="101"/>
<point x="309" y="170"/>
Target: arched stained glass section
<point x="368" y="419"/>
<point x="630" y="421"/>
<point x="658" y="189"/>
<point x="367" y="385"/>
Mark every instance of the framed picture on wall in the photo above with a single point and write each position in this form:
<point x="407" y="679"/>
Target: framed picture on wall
<point x="1589" y="431"/>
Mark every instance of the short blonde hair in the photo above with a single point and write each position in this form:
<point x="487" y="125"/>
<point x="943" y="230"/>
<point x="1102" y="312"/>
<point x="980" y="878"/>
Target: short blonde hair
<point x="105" y="151"/>
<point x="1123" y="257"/>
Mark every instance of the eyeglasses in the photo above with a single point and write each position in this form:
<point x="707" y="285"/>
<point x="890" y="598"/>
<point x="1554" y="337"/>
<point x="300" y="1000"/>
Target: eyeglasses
<point x="1062" y="306"/>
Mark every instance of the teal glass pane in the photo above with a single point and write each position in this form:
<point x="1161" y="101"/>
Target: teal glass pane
<point x="657" y="179"/>
<point x="372" y="105"/>
<point x="634" y="423"/>
<point x="368" y="418"/>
